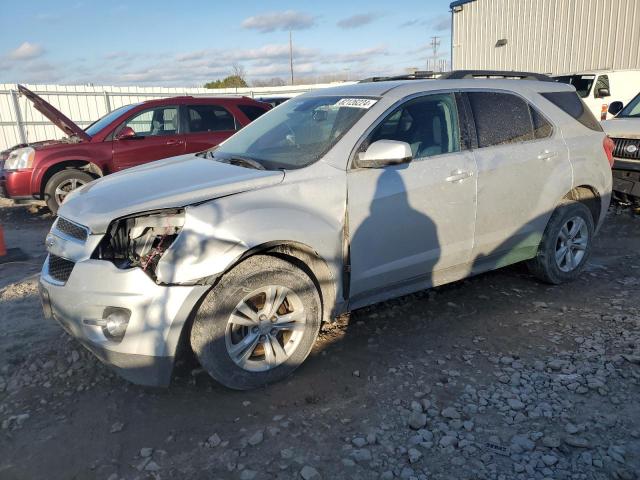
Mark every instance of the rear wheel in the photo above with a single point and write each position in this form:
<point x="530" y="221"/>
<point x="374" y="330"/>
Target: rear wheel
<point x="566" y="244"/>
<point x="258" y="324"/>
<point x="62" y="184"/>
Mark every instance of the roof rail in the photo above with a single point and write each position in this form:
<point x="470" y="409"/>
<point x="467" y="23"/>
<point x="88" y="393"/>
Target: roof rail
<point x="417" y="75"/>
<point x="463" y="74"/>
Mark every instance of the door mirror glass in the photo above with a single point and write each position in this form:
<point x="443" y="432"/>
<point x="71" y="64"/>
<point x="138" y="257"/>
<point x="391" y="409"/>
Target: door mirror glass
<point x="385" y="152"/>
<point x="126" y="133"/>
<point x="602" y="92"/>
<point x="615" y="107"/>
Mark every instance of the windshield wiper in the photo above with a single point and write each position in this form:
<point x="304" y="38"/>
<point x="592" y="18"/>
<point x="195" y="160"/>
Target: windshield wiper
<point x="243" y="162"/>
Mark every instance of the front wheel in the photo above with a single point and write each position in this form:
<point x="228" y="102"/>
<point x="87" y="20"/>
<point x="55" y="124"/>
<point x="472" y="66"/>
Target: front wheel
<point x="62" y="184"/>
<point x="566" y="244"/>
<point x="258" y="324"/>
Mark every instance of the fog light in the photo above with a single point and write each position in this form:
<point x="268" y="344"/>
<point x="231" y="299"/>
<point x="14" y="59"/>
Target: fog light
<point x="115" y="324"/>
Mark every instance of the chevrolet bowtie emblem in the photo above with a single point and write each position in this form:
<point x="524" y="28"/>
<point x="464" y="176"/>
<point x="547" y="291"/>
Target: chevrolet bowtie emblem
<point x="50" y="241"/>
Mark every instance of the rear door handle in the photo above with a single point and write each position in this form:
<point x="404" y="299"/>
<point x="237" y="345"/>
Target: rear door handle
<point x="459" y="175"/>
<point x="547" y="155"/>
<point x="174" y="142"/>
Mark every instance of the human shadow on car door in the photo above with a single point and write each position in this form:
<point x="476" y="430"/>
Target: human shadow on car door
<point x="394" y="247"/>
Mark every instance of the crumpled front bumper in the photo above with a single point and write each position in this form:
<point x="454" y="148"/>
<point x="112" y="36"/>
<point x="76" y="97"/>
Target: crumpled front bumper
<point x="146" y="353"/>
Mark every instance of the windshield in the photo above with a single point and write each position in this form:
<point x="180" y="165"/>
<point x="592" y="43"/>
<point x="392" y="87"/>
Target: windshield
<point x="297" y="133"/>
<point x="98" y="125"/>
<point x="632" y="109"/>
<point x="582" y="83"/>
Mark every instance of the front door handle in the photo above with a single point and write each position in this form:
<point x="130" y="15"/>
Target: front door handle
<point x="547" y="155"/>
<point x="174" y="142"/>
<point x="459" y="175"/>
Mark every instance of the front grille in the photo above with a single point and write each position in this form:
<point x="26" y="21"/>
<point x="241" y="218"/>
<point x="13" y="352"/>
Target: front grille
<point x="622" y="145"/>
<point x="60" y="268"/>
<point x="71" y="229"/>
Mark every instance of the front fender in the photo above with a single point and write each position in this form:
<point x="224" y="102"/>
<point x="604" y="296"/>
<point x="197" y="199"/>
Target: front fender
<point x="217" y="234"/>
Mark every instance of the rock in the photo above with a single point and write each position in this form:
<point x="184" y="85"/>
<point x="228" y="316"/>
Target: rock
<point x="152" y="466"/>
<point x="361" y="455"/>
<point x="256" y="438"/>
<point x="551" y="441"/>
<point x="549" y="460"/>
<point x="359" y="442"/>
<point x="414" y="455"/>
<point x="309" y="473"/>
<point x="617" y="453"/>
<point x="248" y="474"/>
<point x="578" y="442"/>
<point x="286" y="453"/>
<point x="515" y="404"/>
<point x="448" y="440"/>
<point x="347" y="462"/>
<point x="521" y="443"/>
<point x="214" y="440"/>
<point x="146" y="452"/>
<point x="451" y="413"/>
<point x="116" y="427"/>
<point x="372" y="439"/>
<point x="468" y="425"/>
<point x="417" y="420"/>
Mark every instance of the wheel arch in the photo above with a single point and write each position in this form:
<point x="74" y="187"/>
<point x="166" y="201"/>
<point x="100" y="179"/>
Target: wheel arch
<point x="83" y="165"/>
<point x="305" y="258"/>
<point x="589" y="196"/>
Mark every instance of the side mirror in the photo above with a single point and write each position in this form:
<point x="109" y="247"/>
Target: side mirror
<point x="127" y="133"/>
<point x="615" y="107"/>
<point x="603" y="92"/>
<point x="385" y="152"/>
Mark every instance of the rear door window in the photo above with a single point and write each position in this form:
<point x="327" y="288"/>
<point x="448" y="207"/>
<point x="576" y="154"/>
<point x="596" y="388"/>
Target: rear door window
<point x="209" y="118"/>
<point x="571" y="104"/>
<point x="500" y="118"/>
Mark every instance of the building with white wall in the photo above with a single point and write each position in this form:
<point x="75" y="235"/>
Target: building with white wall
<point x="547" y="36"/>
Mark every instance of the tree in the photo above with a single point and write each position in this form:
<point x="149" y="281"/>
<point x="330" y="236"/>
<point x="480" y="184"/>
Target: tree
<point x="235" y="80"/>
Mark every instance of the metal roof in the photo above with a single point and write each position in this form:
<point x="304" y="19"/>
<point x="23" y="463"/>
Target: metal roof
<point x="459" y="3"/>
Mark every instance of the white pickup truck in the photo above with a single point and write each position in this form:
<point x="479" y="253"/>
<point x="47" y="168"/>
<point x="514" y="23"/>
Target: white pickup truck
<point x="624" y="129"/>
<point x="599" y="88"/>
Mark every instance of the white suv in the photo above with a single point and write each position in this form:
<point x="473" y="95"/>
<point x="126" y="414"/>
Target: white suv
<point x="337" y="199"/>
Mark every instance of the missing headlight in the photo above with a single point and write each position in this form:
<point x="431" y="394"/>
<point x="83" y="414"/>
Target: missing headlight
<point x="140" y="241"/>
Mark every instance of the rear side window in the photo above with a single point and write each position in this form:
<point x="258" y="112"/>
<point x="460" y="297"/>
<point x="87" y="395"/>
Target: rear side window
<point x="209" y="118"/>
<point x="541" y="127"/>
<point x="251" y="111"/>
<point x="571" y="104"/>
<point x="500" y="118"/>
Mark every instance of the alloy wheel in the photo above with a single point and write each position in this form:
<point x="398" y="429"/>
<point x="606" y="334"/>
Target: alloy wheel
<point x="265" y="328"/>
<point x="571" y="244"/>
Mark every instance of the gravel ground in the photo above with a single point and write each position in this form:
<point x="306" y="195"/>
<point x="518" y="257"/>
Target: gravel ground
<point x="497" y="377"/>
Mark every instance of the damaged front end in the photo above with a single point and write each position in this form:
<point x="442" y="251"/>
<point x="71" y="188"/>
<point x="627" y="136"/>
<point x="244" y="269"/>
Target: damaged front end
<point x="141" y="240"/>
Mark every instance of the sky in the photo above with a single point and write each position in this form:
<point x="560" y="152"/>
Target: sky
<point x="187" y="43"/>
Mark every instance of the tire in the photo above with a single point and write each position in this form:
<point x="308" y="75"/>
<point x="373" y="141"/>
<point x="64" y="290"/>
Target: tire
<point x="549" y="264"/>
<point x="64" y="181"/>
<point x="223" y="325"/>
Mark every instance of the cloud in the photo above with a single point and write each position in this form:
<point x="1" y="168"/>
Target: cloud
<point x="26" y="51"/>
<point x="365" y="55"/>
<point x="287" y="20"/>
<point x="441" y="23"/>
<point x="356" y="21"/>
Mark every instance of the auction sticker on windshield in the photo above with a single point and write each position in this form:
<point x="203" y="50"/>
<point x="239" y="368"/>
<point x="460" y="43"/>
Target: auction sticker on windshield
<point x="356" y="102"/>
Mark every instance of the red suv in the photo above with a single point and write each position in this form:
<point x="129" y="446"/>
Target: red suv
<point x="126" y="137"/>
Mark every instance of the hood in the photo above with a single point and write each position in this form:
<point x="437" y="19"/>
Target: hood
<point x="622" y="127"/>
<point x="54" y="115"/>
<point x="174" y="182"/>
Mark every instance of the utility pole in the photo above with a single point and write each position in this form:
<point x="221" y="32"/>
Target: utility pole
<point x="435" y="43"/>
<point x="291" y="55"/>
